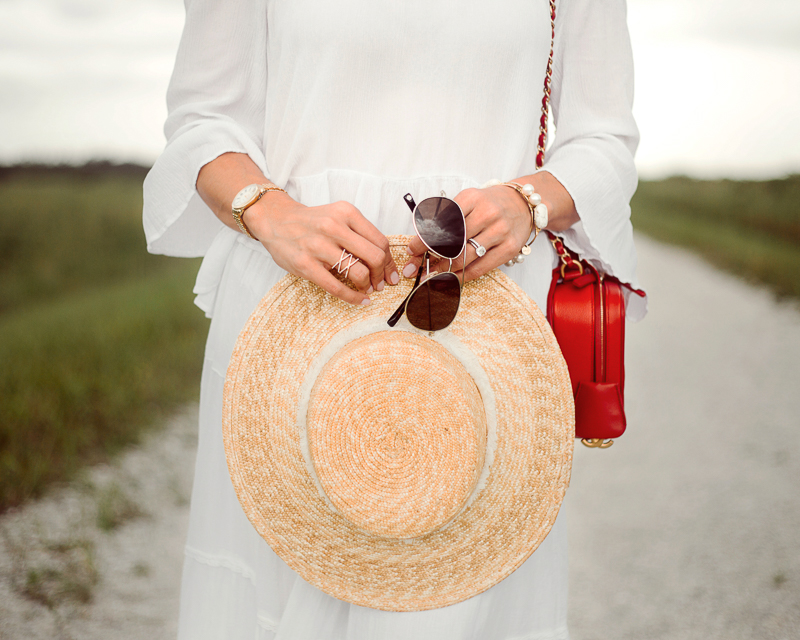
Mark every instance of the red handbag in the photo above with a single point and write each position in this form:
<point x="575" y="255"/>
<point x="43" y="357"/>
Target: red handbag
<point x="586" y="309"/>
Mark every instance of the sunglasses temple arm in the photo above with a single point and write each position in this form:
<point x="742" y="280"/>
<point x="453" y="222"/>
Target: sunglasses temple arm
<point x="395" y="317"/>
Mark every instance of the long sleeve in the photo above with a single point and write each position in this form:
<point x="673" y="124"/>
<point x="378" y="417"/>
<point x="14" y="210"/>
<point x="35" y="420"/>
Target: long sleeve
<point x="596" y="136"/>
<point x="216" y="102"/>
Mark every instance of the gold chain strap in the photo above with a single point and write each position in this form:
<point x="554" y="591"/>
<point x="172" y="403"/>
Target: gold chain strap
<point x="546" y="98"/>
<point x="566" y="259"/>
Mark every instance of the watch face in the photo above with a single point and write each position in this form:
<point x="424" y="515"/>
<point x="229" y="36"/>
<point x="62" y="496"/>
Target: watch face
<point x="245" y="196"/>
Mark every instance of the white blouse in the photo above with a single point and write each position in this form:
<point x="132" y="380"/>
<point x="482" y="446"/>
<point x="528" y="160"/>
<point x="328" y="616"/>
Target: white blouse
<point x="365" y="101"/>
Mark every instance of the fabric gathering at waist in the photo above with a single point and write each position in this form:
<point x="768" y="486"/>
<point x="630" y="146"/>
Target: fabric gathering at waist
<point x="378" y="198"/>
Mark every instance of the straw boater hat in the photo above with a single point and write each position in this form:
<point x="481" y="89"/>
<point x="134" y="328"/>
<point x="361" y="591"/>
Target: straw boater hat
<point x="392" y="468"/>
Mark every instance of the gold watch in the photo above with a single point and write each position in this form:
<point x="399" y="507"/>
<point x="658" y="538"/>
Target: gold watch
<point x="246" y="198"/>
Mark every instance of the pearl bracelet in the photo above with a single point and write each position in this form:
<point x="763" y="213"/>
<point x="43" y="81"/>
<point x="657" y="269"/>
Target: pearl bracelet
<point x="539" y="214"/>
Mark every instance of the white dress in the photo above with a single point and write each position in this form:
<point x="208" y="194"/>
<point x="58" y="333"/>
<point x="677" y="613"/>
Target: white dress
<point x="364" y="101"/>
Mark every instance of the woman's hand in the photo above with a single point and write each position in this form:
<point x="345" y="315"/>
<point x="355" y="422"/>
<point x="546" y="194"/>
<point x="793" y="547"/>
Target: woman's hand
<point x="499" y="219"/>
<point x="308" y="242"/>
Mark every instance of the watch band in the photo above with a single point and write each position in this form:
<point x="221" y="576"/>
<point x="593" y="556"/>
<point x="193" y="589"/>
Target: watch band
<point x="238" y="213"/>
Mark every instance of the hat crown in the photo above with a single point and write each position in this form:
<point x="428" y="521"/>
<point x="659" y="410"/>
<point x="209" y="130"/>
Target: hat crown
<point x="397" y="433"/>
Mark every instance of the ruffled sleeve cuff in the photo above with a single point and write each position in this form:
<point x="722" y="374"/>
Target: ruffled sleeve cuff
<point x="176" y="220"/>
<point x="604" y="235"/>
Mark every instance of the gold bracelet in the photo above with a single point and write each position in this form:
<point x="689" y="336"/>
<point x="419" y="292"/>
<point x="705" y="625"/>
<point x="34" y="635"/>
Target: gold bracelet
<point x="527" y="192"/>
<point x="539" y="215"/>
<point x="519" y="189"/>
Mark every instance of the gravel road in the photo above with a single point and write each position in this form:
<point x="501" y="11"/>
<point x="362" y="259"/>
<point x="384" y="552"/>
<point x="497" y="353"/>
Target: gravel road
<point x="688" y="527"/>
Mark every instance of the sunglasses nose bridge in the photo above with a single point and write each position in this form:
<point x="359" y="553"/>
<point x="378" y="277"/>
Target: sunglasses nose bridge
<point x="432" y="304"/>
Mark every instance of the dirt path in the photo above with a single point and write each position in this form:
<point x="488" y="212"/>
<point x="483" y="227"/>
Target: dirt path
<point x="688" y="527"/>
<point x="102" y="559"/>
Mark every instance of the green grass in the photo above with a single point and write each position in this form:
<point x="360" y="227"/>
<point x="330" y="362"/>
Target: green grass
<point x="85" y="374"/>
<point x="62" y="233"/>
<point x="98" y="339"/>
<point x="747" y="227"/>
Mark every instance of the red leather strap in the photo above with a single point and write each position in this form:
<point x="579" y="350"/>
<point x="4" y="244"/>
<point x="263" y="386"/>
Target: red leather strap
<point x="570" y="261"/>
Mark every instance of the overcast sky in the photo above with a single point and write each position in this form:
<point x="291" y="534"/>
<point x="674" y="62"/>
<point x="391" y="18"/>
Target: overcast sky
<point x="717" y="82"/>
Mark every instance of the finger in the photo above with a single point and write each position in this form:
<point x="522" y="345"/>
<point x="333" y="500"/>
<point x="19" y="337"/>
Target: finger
<point x="493" y="258"/>
<point x="410" y="270"/>
<point x="364" y="228"/>
<point x="357" y="273"/>
<point x="432" y="265"/>
<point x="480" y="229"/>
<point x="348" y="264"/>
<point x="468" y="199"/>
<point x="472" y="252"/>
<point x="416" y="247"/>
<point x="325" y="279"/>
<point x="372" y="257"/>
<point x="436" y="264"/>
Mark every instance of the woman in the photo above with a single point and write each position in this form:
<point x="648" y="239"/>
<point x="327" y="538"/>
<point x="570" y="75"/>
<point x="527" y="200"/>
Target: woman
<point x="348" y="106"/>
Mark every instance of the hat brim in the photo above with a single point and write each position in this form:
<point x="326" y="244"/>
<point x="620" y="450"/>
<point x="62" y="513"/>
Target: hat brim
<point x="490" y="538"/>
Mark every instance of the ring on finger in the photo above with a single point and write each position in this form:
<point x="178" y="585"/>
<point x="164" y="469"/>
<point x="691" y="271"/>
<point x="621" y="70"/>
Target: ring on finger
<point x="346" y="260"/>
<point x="480" y="250"/>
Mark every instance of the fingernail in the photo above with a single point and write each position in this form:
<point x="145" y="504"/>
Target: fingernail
<point x="370" y="290"/>
<point x="409" y="270"/>
<point x="366" y="302"/>
<point x="409" y="251"/>
<point x="380" y="285"/>
<point x="394" y="278"/>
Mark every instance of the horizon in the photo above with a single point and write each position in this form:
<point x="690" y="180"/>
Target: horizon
<point x="98" y="165"/>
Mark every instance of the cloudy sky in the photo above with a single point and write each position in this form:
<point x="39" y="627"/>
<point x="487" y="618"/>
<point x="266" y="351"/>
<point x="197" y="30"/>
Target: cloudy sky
<point x="717" y="82"/>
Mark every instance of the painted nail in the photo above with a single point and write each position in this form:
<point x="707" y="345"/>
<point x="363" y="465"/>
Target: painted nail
<point x="366" y="302"/>
<point x="370" y="290"/>
<point x="394" y="278"/>
<point x="409" y="270"/>
<point x="409" y="251"/>
<point x="380" y="285"/>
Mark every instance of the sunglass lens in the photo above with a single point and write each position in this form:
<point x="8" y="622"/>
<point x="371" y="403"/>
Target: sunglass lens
<point x="440" y="224"/>
<point x="434" y="304"/>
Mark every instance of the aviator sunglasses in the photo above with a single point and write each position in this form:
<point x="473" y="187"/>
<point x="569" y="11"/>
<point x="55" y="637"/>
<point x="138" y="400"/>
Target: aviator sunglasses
<point x="433" y="303"/>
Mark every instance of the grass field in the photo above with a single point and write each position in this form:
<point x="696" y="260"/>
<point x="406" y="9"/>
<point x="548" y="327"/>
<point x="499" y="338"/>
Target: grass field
<point x="749" y="228"/>
<point x="98" y="339"/>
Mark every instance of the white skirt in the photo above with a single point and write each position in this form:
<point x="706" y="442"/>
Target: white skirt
<point x="235" y="587"/>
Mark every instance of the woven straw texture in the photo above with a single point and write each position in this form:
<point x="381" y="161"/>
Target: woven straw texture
<point x="415" y="438"/>
<point x="397" y="435"/>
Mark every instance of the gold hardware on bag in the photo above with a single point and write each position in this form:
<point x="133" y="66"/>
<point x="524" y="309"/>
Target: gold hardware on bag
<point x="597" y="443"/>
<point x="566" y="259"/>
<point x="565" y="265"/>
